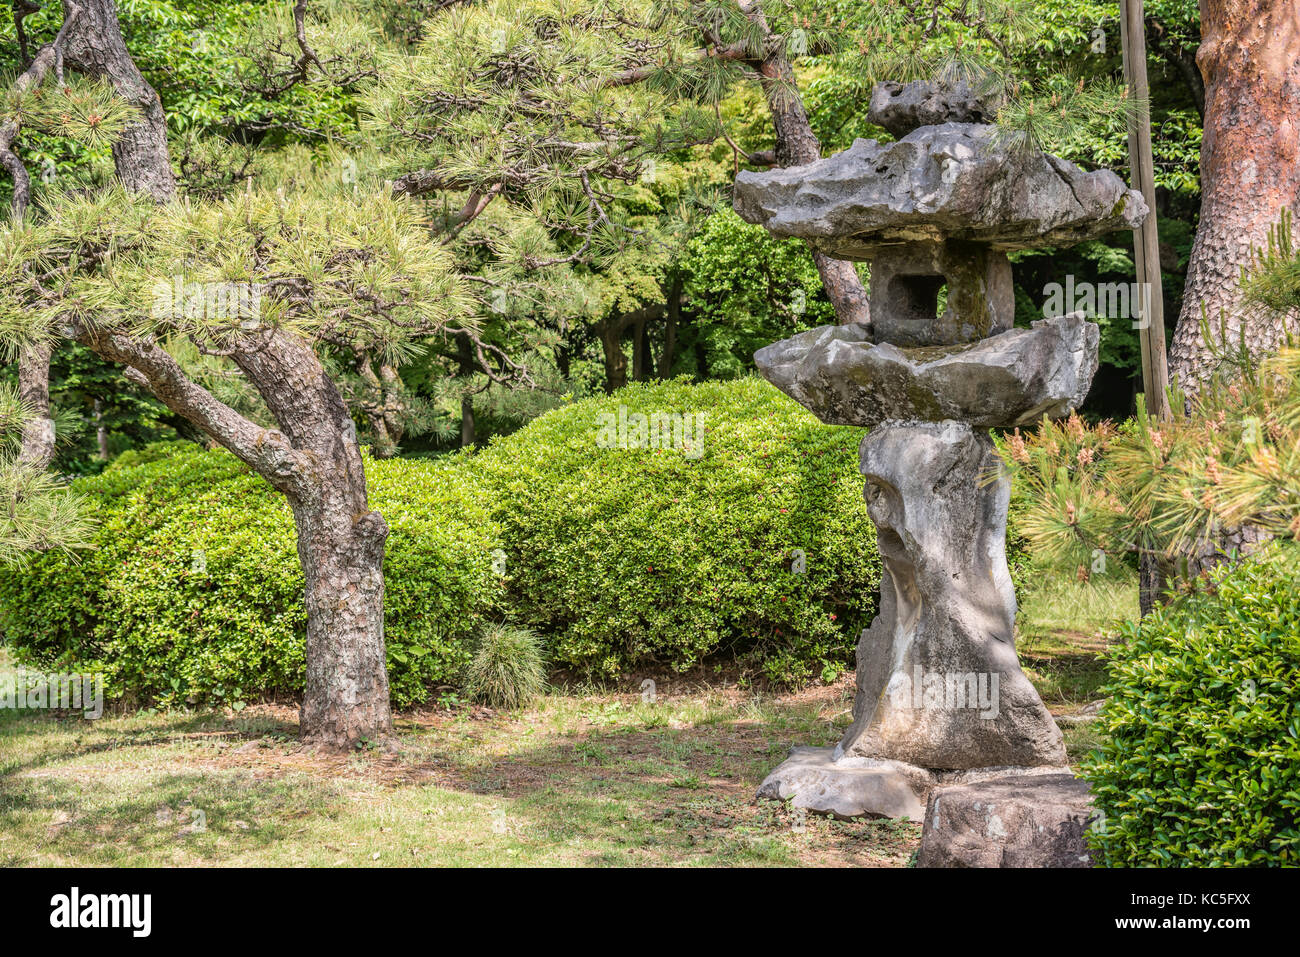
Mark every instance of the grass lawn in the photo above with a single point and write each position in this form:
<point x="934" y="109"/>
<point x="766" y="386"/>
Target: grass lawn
<point x="595" y="778"/>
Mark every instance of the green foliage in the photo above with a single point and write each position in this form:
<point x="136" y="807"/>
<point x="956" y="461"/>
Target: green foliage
<point x="623" y="558"/>
<point x="747" y="289"/>
<point x="89" y="111"/>
<point x="638" y="557"/>
<point x="1200" y="761"/>
<point x="359" y="269"/>
<point x="194" y="591"/>
<point x="508" y="669"/>
<point x="1228" y="458"/>
<point x="1272" y="278"/>
<point x="37" y="512"/>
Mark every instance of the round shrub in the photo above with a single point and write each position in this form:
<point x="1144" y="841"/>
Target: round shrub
<point x="755" y="543"/>
<point x="1200" y="761"/>
<point x="194" y="592"/>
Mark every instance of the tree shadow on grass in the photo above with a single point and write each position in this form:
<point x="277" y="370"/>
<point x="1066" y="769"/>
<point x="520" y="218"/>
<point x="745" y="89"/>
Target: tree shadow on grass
<point x="623" y="794"/>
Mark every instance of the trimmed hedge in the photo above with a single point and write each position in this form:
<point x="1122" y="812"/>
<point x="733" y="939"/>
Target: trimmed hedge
<point x="194" y="591"/>
<point x="637" y="557"/>
<point x="620" y="558"/>
<point x="1200" y="764"/>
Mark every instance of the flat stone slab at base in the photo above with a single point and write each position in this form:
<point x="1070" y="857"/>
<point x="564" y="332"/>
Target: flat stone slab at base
<point x="1008" y="820"/>
<point x="850" y="787"/>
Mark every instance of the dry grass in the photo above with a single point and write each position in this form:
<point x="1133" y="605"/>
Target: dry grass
<point x="581" y="777"/>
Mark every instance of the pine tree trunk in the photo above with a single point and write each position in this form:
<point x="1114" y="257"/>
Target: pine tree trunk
<point x="1250" y="170"/>
<point x="95" y="47"/>
<point x="340" y="544"/>
<point x="37" y="448"/>
<point x="611" y="341"/>
<point x="346" y="698"/>
<point x="797" y="145"/>
<point x="316" y="462"/>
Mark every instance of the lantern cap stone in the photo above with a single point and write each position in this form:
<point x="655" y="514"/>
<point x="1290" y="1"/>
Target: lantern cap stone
<point x="955" y="181"/>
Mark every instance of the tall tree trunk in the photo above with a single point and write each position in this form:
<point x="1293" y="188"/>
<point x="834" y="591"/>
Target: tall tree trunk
<point x="465" y="358"/>
<point x="37" y="447"/>
<point x="340" y="544"/>
<point x="674" y="315"/>
<point x="95" y="47"/>
<point x="797" y="145"/>
<point x="1250" y="170"/>
<point x="611" y="341"/>
<point x="341" y="548"/>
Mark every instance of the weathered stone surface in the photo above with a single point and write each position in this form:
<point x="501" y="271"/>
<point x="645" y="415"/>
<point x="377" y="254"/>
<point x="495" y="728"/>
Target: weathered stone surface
<point x="849" y="787"/>
<point x="937" y="183"/>
<point x="903" y="107"/>
<point x="905" y="283"/>
<point x="938" y="681"/>
<point x="1011" y="379"/>
<point x="1015" y="820"/>
<point x="941" y="699"/>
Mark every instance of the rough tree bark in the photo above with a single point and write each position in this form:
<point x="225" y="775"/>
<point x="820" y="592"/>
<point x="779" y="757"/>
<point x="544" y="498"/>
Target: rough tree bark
<point x="37" y="440"/>
<point x="316" y="462"/>
<point x="1250" y="170"/>
<point x="340" y="544"/>
<point x="90" y="42"/>
<point x="95" y="47"/>
<point x="37" y="448"/>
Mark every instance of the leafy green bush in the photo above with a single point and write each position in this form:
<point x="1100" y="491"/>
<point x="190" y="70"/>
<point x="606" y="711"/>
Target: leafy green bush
<point x="627" y="557"/>
<point x="1200" y="764"/>
<point x="194" y="591"/>
<point x="620" y="558"/>
<point x="746" y="289"/>
<point x="508" y="669"/>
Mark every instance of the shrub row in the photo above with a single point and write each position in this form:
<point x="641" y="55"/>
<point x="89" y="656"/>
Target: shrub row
<point x="194" y="592"/>
<point x="754" y="544"/>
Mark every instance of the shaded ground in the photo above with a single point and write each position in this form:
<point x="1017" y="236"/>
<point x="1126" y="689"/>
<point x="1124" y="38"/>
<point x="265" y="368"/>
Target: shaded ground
<point x="578" y="779"/>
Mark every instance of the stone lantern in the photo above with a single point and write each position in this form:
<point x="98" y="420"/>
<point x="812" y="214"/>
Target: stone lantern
<point x="940" y="694"/>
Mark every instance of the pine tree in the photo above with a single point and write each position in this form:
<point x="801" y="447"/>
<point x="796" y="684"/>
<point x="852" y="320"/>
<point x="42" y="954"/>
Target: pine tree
<point x="527" y="141"/>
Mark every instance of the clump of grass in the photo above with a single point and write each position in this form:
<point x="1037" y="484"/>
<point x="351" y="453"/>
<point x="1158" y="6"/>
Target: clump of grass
<point x="508" y="669"/>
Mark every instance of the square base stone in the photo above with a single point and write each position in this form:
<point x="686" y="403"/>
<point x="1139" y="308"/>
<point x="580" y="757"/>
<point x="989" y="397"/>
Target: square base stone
<point x="1008" y="820"/>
